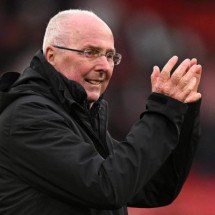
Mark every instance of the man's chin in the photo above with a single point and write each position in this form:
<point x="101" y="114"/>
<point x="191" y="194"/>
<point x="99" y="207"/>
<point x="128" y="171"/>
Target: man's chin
<point x="93" y="97"/>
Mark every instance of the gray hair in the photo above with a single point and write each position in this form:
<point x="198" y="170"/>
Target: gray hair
<point x="57" y="27"/>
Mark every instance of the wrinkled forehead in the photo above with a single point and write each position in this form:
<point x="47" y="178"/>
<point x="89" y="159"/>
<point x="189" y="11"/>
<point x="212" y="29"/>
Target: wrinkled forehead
<point x="87" y="28"/>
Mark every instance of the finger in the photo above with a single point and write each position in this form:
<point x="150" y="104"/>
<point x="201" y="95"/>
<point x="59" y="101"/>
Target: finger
<point x="193" y="97"/>
<point x="188" y="76"/>
<point x="166" y="71"/>
<point x="180" y="71"/>
<point x="186" y="91"/>
<point x="154" y="76"/>
<point x="198" y="76"/>
<point x="193" y="61"/>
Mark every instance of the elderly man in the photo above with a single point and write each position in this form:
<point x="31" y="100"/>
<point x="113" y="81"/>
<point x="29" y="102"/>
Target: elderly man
<point x="56" y="155"/>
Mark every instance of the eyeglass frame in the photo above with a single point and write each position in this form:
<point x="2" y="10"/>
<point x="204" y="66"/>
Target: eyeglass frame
<point x="96" y="55"/>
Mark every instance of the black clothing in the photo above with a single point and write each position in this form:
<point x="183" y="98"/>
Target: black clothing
<point x="57" y="157"/>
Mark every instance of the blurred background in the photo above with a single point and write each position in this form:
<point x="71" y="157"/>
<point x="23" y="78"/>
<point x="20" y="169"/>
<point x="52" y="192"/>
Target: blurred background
<point x="147" y="33"/>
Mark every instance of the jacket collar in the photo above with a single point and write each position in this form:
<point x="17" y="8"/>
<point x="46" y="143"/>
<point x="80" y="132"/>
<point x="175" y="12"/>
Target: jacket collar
<point x="67" y="91"/>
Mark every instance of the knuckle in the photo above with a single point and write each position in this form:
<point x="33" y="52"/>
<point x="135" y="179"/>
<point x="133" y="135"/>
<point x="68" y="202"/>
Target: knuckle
<point x="190" y="88"/>
<point x="176" y="78"/>
<point x="166" y="88"/>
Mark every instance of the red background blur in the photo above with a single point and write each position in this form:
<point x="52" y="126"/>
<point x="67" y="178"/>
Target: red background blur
<point x="147" y="33"/>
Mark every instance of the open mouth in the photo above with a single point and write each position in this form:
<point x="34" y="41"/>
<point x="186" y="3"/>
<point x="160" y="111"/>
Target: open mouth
<point x="94" y="82"/>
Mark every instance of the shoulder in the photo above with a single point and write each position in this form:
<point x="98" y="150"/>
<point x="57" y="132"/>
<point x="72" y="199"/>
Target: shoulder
<point x="31" y="109"/>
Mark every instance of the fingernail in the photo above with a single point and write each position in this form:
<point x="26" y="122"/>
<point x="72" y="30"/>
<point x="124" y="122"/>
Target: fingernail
<point x="187" y="60"/>
<point x="175" y="57"/>
<point x="198" y="67"/>
<point x="155" y="68"/>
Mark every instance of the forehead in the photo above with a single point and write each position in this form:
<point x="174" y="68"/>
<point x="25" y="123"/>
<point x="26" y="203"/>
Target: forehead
<point x="88" y="30"/>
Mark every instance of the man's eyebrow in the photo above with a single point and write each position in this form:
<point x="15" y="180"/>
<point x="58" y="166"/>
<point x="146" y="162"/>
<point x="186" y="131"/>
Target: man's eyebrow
<point x="99" y="48"/>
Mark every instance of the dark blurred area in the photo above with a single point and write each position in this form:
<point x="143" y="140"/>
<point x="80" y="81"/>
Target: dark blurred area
<point x="147" y="33"/>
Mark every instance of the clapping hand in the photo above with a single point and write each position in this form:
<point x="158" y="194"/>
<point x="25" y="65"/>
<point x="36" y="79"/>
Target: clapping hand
<point x="182" y="84"/>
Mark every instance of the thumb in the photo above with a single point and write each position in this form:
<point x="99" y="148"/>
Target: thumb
<point x="154" y="76"/>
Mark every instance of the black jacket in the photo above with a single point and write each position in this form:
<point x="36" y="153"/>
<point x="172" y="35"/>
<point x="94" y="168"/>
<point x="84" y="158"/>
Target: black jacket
<point x="57" y="157"/>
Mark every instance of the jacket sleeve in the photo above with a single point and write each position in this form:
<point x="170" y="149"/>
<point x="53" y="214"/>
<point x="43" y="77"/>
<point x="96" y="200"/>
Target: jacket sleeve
<point x="57" y="159"/>
<point x="167" y="182"/>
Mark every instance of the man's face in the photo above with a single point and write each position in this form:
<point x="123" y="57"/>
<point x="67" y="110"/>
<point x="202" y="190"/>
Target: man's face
<point x="93" y="74"/>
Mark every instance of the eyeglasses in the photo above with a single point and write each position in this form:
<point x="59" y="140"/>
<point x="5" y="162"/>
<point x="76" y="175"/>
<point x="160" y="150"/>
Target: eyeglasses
<point x="94" y="53"/>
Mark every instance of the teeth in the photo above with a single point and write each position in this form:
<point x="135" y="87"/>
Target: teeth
<point x="94" y="82"/>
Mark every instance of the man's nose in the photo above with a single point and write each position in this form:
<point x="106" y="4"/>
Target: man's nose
<point x="107" y="63"/>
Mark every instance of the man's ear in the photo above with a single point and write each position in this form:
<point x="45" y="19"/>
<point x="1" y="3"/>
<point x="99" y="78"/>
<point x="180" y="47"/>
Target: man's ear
<point x="50" y="55"/>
